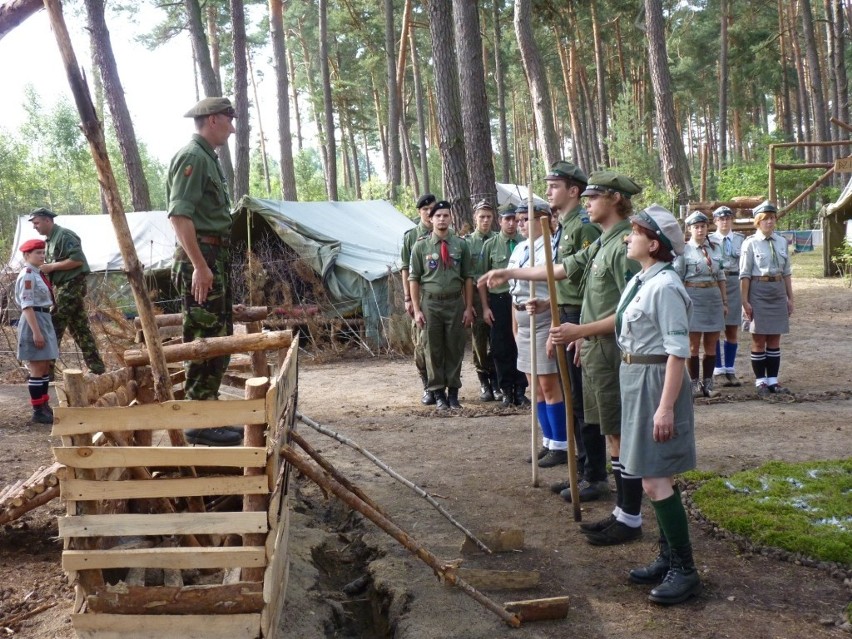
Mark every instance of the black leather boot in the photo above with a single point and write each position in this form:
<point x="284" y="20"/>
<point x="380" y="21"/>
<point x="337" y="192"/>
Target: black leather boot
<point x="453" y="398"/>
<point x="495" y="389"/>
<point x="519" y="398"/>
<point x="41" y="416"/>
<point x="485" y="392"/>
<point x="654" y="572"/>
<point x="681" y="581"/>
<point x="441" y="402"/>
<point x="508" y="394"/>
<point x="428" y="398"/>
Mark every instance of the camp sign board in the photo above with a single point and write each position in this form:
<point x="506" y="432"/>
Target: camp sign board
<point x="843" y="165"/>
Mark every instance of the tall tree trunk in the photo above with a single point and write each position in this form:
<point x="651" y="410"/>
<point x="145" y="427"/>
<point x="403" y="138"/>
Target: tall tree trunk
<point x="476" y="124"/>
<point x="105" y="60"/>
<point x="356" y="169"/>
<point x="840" y="74"/>
<point x="242" y="139"/>
<point x="600" y="77"/>
<point x="211" y="12"/>
<point x="280" y="55"/>
<point x="328" y="105"/>
<point x="801" y="92"/>
<point x="819" y="112"/>
<point x="264" y="156"/>
<point x="209" y="81"/>
<point x="674" y="164"/>
<point x="383" y="140"/>
<point x="784" y="37"/>
<point x="451" y="135"/>
<point x="537" y="80"/>
<point x="312" y="94"/>
<point x="295" y="94"/>
<point x="723" y="84"/>
<point x="421" y="116"/>
<point x="394" y="166"/>
<point x="569" y="86"/>
<point x="500" y="85"/>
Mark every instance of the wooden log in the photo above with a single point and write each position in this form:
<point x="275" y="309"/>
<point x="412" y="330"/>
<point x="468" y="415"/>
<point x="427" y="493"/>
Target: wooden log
<point x="498" y="541"/>
<point x="241" y="314"/>
<point x="254" y="436"/>
<point x="86" y="490"/>
<point x="539" y="609"/>
<point x="259" y="367"/>
<point x="209" y="347"/>
<point x="99" y="385"/>
<point x="218" y="599"/>
<point x="184" y="558"/>
<point x="12" y="513"/>
<point x="500" y="579"/>
<point x="129" y="525"/>
<point x="104" y="626"/>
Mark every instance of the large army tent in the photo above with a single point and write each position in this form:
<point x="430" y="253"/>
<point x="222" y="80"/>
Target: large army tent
<point x="514" y="194"/>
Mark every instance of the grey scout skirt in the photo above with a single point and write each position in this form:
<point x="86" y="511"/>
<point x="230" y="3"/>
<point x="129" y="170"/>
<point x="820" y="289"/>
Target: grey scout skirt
<point x="543" y="365"/>
<point x="708" y="315"/>
<point x="735" y="300"/>
<point x="27" y="351"/>
<point x="769" y="308"/>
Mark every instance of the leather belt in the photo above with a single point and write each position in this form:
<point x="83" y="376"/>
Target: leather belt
<point x="40" y="309"/>
<point x="519" y="307"/>
<point x="599" y="338"/>
<point x="768" y="278"/>
<point x="441" y="296"/>
<point x="632" y="358"/>
<point x="732" y="272"/>
<point x="570" y="307"/>
<point x="701" y="284"/>
<point x="214" y="240"/>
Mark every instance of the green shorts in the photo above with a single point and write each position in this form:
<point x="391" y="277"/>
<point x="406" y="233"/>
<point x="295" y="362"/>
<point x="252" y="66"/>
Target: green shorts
<point x="601" y="360"/>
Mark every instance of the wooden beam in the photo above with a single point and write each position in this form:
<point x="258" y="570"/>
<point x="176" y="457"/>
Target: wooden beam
<point x="498" y="541"/>
<point x="257" y="504"/>
<point x="184" y="558"/>
<point x="539" y="609"/>
<point x="85" y="490"/>
<point x="209" y="347"/>
<point x="810" y="165"/>
<point x="176" y="414"/>
<point x="241" y="314"/>
<point x="216" y="599"/>
<point x="162" y="524"/>
<point x="93" y="626"/>
<point x="159" y="456"/>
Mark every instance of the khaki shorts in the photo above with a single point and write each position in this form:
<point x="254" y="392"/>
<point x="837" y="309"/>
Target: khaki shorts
<point x="601" y="360"/>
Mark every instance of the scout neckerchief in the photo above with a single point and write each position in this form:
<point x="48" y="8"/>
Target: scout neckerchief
<point x="47" y="283"/>
<point x="707" y="257"/>
<point x="771" y="241"/>
<point x="619" y="313"/>
<point x="445" y="254"/>
<point x="729" y="250"/>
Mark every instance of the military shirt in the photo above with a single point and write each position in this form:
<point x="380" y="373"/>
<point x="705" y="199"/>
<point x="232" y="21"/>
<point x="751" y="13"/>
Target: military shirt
<point x="695" y="266"/>
<point x="731" y="245"/>
<point x="64" y="244"/>
<point x="578" y="232"/>
<point x="427" y="268"/>
<point x="196" y="188"/>
<point x="476" y="241"/>
<point x="765" y="256"/>
<point x="31" y="289"/>
<point x="655" y="321"/>
<point x="408" y="240"/>
<point x="496" y="253"/>
<point x="603" y="269"/>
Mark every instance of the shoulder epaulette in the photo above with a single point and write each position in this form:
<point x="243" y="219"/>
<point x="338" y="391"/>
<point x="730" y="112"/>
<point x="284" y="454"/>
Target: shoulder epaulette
<point x="584" y="217"/>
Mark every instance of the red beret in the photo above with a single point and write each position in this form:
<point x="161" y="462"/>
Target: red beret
<point x="32" y="245"/>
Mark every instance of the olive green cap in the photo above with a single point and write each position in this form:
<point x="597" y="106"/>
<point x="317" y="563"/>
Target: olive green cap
<point x="211" y="106"/>
<point x="506" y="210"/>
<point x="565" y="170"/>
<point x="41" y="212"/>
<point x="604" y="181"/>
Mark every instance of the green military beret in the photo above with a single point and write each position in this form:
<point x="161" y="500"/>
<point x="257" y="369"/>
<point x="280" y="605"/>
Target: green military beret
<point x="564" y="169"/>
<point x="41" y="212"/>
<point x="609" y="181"/>
<point x="437" y="206"/>
<point x="696" y="217"/>
<point x="211" y="106"/>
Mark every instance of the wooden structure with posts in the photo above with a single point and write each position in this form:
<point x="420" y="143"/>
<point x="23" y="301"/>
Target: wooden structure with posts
<point x="167" y="540"/>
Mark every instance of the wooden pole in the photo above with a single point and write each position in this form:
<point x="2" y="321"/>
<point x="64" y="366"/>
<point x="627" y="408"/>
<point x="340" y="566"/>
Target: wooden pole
<point x="704" y="154"/>
<point x="443" y="571"/>
<point x="109" y="190"/>
<point x="253" y="435"/>
<point x="208" y="347"/>
<point x="241" y="314"/>
<point x="534" y="428"/>
<point x="561" y="358"/>
<point x="772" y="193"/>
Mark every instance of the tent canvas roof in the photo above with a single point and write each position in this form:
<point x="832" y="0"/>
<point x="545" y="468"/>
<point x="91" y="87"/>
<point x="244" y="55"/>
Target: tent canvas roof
<point x="515" y="194"/>
<point x="152" y="235"/>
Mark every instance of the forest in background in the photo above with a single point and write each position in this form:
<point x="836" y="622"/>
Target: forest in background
<point x="392" y="98"/>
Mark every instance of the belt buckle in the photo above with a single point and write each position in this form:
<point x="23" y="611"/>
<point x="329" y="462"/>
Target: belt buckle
<point x="628" y="358"/>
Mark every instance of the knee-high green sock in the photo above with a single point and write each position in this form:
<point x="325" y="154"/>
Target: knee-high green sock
<point x="672" y="518"/>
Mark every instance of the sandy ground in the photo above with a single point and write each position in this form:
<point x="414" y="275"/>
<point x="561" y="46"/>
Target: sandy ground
<point x="473" y="463"/>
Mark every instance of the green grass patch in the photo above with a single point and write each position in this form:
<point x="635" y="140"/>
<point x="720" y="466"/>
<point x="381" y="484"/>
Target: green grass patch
<point x="802" y="508"/>
<point x="808" y="264"/>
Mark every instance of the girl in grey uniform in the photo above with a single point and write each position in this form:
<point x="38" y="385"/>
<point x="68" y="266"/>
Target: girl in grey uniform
<point x="700" y="268"/>
<point x="731" y="244"/>
<point x="767" y="292"/>
<point x="550" y="405"/>
<point x="657" y="422"/>
<point x="36" y="337"/>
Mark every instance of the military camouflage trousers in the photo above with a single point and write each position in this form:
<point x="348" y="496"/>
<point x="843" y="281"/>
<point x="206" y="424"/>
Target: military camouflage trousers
<point x="213" y="318"/>
<point x="70" y="312"/>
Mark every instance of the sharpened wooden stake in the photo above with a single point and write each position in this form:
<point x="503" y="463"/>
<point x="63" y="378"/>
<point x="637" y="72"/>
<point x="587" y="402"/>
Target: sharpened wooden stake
<point x="534" y="428"/>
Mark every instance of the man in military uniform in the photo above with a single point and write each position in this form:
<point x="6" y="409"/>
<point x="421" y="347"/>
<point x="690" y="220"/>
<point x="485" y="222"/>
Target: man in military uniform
<point x="200" y="212"/>
<point x="483" y="216"/>
<point x="67" y="268"/>
<point x="604" y="270"/>
<point x="424" y="208"/>
<point x="442" y="297"/>
<point x="565" y="182"/>
<point x="497" y="310"/>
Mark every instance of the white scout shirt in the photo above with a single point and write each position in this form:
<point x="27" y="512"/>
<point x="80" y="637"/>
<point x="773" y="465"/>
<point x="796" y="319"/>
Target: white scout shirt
<point x="31" y="289"/>
<point x="731" y="246"/>
<point x="696" y="266"/>
<point x="765" y="256"/>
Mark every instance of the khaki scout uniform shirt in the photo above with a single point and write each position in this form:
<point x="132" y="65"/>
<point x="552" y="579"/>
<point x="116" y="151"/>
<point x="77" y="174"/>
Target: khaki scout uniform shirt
<point x="496" y="253"/>
<point x="63" y="244"/>
<point x="693" y="265"/>
<point x="578" y="232"/>
<point x="475" y="242"/>
<point x="196" y="188"/>
<point x="408" y="239"/>
<point x="765" y="256"/>
<point x="427" y="268"/>
<point x="731" y="245"/>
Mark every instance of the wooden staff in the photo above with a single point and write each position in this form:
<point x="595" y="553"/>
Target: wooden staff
<point x="444" y="571"/>
<point x="563" y="370"/>
<point x="533" y="359"/>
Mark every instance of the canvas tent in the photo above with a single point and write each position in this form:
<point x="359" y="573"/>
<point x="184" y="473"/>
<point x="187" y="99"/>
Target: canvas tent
<point x="352" y="246"/>
<point x="514" y="194"/>
<point x="835" y="222"/>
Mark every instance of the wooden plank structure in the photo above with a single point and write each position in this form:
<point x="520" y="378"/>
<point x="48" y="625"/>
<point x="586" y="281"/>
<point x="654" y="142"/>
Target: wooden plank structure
<point x="144" y="562"/>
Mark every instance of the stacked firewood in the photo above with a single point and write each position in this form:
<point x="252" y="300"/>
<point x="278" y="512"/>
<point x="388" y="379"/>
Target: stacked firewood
<point x="26" y="494"/>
